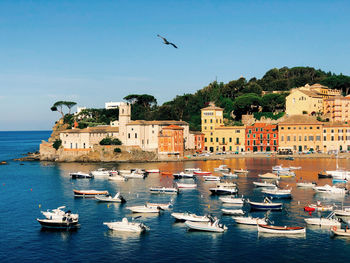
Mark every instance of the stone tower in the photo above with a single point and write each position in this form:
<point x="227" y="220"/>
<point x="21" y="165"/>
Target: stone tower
<point x="124" y="118"/>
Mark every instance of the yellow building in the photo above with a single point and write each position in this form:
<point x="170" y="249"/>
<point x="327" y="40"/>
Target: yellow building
<point x="218" y="137"/>
<point x="336" y="137"/>
<point x="337" y="109"/>
<point x="300" y="133"/>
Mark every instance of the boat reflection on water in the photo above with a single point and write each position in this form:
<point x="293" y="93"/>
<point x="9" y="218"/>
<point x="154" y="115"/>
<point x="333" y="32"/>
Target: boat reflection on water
<point x="64" y="234"/>
<point x="262" y="235"/>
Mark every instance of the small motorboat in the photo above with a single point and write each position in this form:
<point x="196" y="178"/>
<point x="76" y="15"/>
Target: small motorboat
<point x="345" y="211"/>
<point x="232" y="211"/>
<point x="306" y="184"/>
<point x="186" y="186"/>
<point x="324" y="174"/>
<point x="278" y="193"/>
<point x="223" y="190"/>
<point x="183" y="175"/>
<point x="164" y="190"/>
<point x="144" y="209"/>
<point x="163" y="206"/>
<point x="58" y="213"/>
<point x="127" y="226"/>
<point x="285" y="174"/>
<point x="265" y="205"/>
<point x="66" y="221"/>
<point x="337" y="231"/>
<point x="108" y="198"/>
<point x="240" y="171"/>
<point x="89" y="193"/>
<point x="134" y="175"/>
<point x="264" y="184"/>
<point x="152" y="171"/>
<point x="117" y="177"/>
<point x="222" y="168"/>
<point x="318" y="207"/>
<point x="269" y="176"/>
<point x="212" y="226"/>
<point x="330" y="189"/>
<point x="339" y="181"/>
<point x="166" y="173"/>
<point x="100" y="172"/>
<point x="330" y="220"/>
<point x="231" y="175"/>
<point x="190" y="217"/>
<point x="281" y="229"/>
<point x="211" y="178"/>
<point x="201" y="173"/>
<point x="248" y="220"/>
<point x="238" y="201"/>
<point x="279" y="168"/>
<point x="294" y="167"/>
<point x="81" y="175"/>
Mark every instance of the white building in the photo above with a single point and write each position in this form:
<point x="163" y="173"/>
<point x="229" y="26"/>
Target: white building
<point x="112" y="105"/>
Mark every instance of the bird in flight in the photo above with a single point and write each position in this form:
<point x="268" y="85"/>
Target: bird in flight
<point x="166" y="42"/>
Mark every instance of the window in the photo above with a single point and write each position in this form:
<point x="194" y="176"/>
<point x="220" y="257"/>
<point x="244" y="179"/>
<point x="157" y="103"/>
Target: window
<point x="216" y="120"/>
<point x="211" y="120"/>
<point x="248" y="135"/>
<point x="217" y="139"/>
<point x="205" y="139"/>
<point x="324" y="131"/>
<point x="135" y="135"/>
<point x="274" y="142"/>
<point x="223" y="139"/>
<point x="128" y="135"/>
<point x="332" y="138"/>
<point x="76" y="146"/>
<point x="311" y="138"/>
<point x="250" y="131"/>
<point x="325" y="138"/>
<point x="71" y="145"/>
<point x="282" y="128"/>
<point x="261" y="129"/>
<point x="205" y="120"/>
<point x="288" y="128"/>
<point x="84" y="145"/>
<point x="332" y="131"/>
<point x="237" y="140"/>
<point x="318" y="138"/>
<point x="288" y="138"/>
<point x="274" y="135"/>
<point x="211" y="139"/>
<point x="268" y="136"/>
<point x="238" y="131"/>
<point x="230" y="139"/>
<point x="282" y="138"/>
<point x="299" y="138"/>
<point x="254" y="135"/>
<point x="305" y="138"/>
<point x="295" y="138"/>
<point x="248" y="142"/>
<point x="256" y="129"/>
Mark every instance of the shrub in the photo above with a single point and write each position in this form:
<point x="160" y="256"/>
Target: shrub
<point x="110" y="141"/>
<point x="117" y="150"/>
<point x="57" y="144"/>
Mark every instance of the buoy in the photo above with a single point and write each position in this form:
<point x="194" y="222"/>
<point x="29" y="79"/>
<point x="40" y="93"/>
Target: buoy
<point x="108" y="205"/>
<point x="39" y="205"/>
<point x="208" y="206"/>
<point x="31" y="189"/>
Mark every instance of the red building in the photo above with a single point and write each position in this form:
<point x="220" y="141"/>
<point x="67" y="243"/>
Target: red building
<point x="171" y="140"/>
<point x="198" y="138"/>
<point x="261" y="137"/>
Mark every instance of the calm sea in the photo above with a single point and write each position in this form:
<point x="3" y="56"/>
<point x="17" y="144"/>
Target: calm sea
<point x="30" y="187"/>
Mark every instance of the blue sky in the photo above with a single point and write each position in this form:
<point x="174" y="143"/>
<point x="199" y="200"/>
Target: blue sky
<point x="97" y="51"/>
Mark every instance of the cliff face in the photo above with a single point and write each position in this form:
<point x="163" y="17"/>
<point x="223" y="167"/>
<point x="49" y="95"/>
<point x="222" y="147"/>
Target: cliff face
<point x="59" y="126"/>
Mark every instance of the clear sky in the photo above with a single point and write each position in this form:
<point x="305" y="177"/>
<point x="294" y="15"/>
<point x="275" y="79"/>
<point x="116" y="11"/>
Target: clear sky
<point x="92" y="52"/>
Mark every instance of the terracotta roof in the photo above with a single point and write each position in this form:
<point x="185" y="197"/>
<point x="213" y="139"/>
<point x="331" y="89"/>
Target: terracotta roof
<point x="335" y="124"/>
<point x="173" y="127"/>
<point x="162" y="123"/>
<point x="212" y="108"/>
<point x="311" y="94"/>
<point x="300" y="119"/>
<point x="97" y="129"/>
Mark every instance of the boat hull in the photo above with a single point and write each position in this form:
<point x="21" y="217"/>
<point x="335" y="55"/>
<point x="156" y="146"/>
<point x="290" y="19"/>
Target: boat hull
<point x="58" y="224"/>
<point x="265" y="206"/>
<point x="281" y="230"/>
<point x="218" y="191"/>
<point x="204" y="227"/>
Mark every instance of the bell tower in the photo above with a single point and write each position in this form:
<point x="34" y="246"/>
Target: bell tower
<point x="124" y="118"/>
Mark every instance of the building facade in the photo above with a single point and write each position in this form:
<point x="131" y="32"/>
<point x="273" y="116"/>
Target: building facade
<point x="261" y="137"/>
<point x="336" y="137"/>
<point x="337" y="109"/>
<point x="171" y="141"/>
<point x="196" y="141"/>
<point x="300" y="133"/>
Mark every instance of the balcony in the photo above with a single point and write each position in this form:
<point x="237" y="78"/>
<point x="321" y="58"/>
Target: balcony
<point x="222" y="143"/>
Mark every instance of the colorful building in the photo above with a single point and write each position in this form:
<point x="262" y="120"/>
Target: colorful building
<point x="171" y="140"/>
<point x="197" y="140"/>
<point x="300" y="133"/>
<point x="217" y="137"/>
<point x="337" y="109"/>
<point x="261" y="137"/>
<point x="336" y="137"/>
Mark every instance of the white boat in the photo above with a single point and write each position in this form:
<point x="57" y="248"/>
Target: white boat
<point x="117" y="177"/>
<point x="248" y="220"/>
<point x="144" y="209"/>
<point x="330" y="220"/>
<point x="65" y="222"/>
<point x="100" y="172"/>
<point x="330" y="189"/>
<point x="240" y="171"/>
<point x="264" y="184"/>
<point x="278" y="193"/>
<point x="163" y="206"/>
<point x="183" y="175"/>
<point x="81" y="175"/>
<point x="345" y="211"/>
<point x="127" y="226"/>
<point x="285" y="173"/>
<point x="211" y="178"/>
<point x="190" y="217"/>
<point x="269" y="176"/>
<point x="294" y="167"/>
<point x="152" y="171"/>
<point x="214" y="226"/>
<point x="340" y="232"/>
<point x="279" y="168"/>
<point x="89" y="193"/>
<point x="281" y="229"/>
<point x="232" y="211"/>
<point x="318" y="207"/>
<point x="186" y="186"/>
<point x="223" y="190"/>
<point x="339" y="174"/>
<point x="231" y="175"/>
<point x="306" y="184"/>
<point x="133" y="175"/>
<point x="265" y="205"/>
<point x="222" y="168"/>
<point x="164" y="190"/>
<point x="192" y="170"/>
<point x="115" y="199"/>
<point x="58" y="213"/>
<point x="239" y="201"/>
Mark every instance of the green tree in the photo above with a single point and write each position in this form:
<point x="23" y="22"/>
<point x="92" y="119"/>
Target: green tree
<point x="57" y="144"/>
<point x="58" y="106"/>
<point x="247" y="103"/>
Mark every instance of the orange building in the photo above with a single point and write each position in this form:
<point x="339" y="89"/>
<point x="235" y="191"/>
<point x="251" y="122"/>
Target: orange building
<point x="337" y="109"/>
<point x="198" y="140"/>
<point x="171" y="140"/>
<point x="261" y="137"/>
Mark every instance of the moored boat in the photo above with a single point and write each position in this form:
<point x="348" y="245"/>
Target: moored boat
<point x="134" y="175"/>
<point x="183" y="175"/>
<point x="81" y="175"/>
<point x="230" y="175"/>
<point x="58" y="213"/>
<point x="337" y="231"/>
<point x="222" y="168"/>
<point x="281" y="229"/>
<point x="117" y="177"/>
<point x="190" y="217"/>
<point x="89" y="193"/>
<point x="248" y="220"/>
<point x="144" y="209"/>
<point x="330" y="220"/>
<point x="127" y="226"/>
<point x="306" y="184"/>
<point x="265" y="205"/>
<point x="345" y="211"/>
<point x="186" y="186"/>
<point x="100" y="172"/>
<point x="201" y="173"/>
<point x="269" y="176"/>
<point x="164" y="206"/>
<point x="232" y="211"/>
<point x="164" y="190"/>
<point x="330" y="189"/>
<point x="264" y="184"/>
<point x="319" y="207"/>
<point x="108" y="198"/>
<point x="222" y="190"/>
<point x="279" y="168"/>
<point x="278" y="193"/>
<point x="192" y="169"/>
<point x="239" y="201"/>
<point x="211" y="178"/>
<point x="212" y="226"/>
<point x="62" y="223"/>
<point x="152" y="171"/>
<point x="240" y="171"/>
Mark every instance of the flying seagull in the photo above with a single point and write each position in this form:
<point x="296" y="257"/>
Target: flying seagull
<point x="166" y="42"/>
